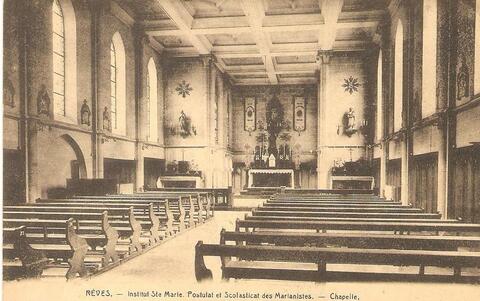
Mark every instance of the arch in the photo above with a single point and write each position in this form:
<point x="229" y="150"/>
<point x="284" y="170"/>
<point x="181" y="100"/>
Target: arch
<point x="64" y="53"/>
<point x="398" y="82"/>
<point x="118" y="84"/>
<point x="379" y="129"/>
<point x="153" y="101"/>
<point x="79" y="154"/>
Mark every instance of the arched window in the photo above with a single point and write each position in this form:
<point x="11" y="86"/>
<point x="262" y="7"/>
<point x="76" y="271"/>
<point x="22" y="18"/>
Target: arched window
<point x="152" y="101"/>
<point x="379" y="97"/>
<point x="429" y="58"/>
<point x="398" y="86"/>
<point x="476" y="76"/>
<point x="64" y="54"/>
<point x="117" y="85"/>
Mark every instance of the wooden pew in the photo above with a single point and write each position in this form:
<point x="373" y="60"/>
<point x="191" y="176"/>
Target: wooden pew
<point x="400" y="227"/>
<point x="342" y="209"/>
<point x="159" y="207"/>
<point x="346" y="214"/>
<point x="203" y="198"/>
<point x="72" y="248"/>
<point x="334" y="204"/>
<point x="125" y="220"/>
<point x="262" y="263"/>
<point x="99" y="230"/>
<point x="184" y="199"/>
<point x="350" y="219"/>
<point x="331" y="202"/>
<point x="19" y="258"/>
<point x="352" y="240"/>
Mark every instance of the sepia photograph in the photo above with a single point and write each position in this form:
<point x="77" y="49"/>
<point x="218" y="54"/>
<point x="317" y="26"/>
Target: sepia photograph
<point x="228" y="150"/>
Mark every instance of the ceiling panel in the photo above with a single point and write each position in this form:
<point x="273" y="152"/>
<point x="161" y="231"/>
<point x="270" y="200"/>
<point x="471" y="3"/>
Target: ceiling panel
<point x="280" y="7"/>
<point x="243" y="61"/>
<point x="309" y="36"/>
<point x="296" y="59"/>
<point x="212" y="8"/>
<point x="231" y="39"/>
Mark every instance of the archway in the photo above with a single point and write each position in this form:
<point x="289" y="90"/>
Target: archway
<point x="80" y="161"/>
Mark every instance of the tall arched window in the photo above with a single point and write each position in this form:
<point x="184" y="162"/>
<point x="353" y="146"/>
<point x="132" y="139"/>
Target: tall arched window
<point x="398" y="86"/>
<point x="152" y="101"/>
<point x="379" y="97"/>
<point x="58" y="27"/>
<point x="64" y="54"/>
<point x="117" y="85"/>
<point x="476" y="76"/>
<point x="429" y="58"/>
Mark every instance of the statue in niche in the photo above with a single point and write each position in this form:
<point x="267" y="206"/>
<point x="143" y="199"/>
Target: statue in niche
<point x="8" y="93"/>
<point x="463" y="80"/>
<point x="85" y="113"/>
<point x="349" y="122"/>
<point x="43" y="101"/>
<point x="274" y="123"/>
<point x="186" y="128"/>
<point x="107" y="124"/>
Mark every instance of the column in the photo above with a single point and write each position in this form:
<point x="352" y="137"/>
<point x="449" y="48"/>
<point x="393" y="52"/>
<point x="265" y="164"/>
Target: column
<point x="33" y="176"/>
<point x="37" y="79"/>
<point x="210" y="139"/>
<point x="383" y="169"/>
<point x="140" y="104"/>
<point x="442" y="174"/>
<point x="96" y="9"/>
<point x="322" y="165"/>
<point x="404" y="171"/>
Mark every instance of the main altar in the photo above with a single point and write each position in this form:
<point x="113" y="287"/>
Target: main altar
<point x="271" y="162"/>
<point x="271" y="178"/>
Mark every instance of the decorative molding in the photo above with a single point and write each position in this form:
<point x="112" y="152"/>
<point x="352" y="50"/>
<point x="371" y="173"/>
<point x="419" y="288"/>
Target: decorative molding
<point x="323" y="56"/>
<point x="184" y="89"/>
<point x="351" y="84"/>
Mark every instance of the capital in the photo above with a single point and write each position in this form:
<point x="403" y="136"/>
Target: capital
<point x="323" y="56"/>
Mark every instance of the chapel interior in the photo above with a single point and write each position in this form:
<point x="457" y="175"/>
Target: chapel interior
<point x="244" y="98"/>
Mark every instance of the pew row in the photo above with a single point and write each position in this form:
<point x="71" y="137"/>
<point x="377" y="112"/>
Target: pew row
<point x="310" y="263"/>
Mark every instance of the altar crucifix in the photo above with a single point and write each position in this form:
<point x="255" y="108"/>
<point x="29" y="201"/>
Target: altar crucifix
<point x="274" y="123"/>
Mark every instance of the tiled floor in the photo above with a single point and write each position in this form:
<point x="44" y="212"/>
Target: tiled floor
<point x="170" y="267"/>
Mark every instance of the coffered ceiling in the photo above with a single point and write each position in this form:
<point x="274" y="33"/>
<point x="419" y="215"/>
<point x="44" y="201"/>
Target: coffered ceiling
<point x="258" y="42"/>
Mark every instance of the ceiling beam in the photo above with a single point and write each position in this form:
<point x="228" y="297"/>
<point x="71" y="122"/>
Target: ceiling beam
<point x="331" y="10"/>
<point x="255" y="13"/>
<point x="182" y="18"/>
<point x="222" y="54"/>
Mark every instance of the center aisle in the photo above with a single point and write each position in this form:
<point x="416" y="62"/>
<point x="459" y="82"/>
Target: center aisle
<point x="173" y="261"/>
